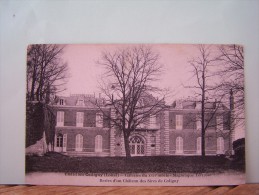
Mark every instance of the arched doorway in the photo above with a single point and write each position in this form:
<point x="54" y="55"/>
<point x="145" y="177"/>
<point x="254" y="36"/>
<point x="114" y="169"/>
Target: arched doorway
<point x="137" y="146"/>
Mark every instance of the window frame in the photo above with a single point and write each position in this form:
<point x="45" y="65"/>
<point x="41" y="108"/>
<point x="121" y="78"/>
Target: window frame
<point x="60" y="118"/>
<point x="220" y="145"/>
<point x="99" y="119"/>
<point x="79" y="142"/>
<point x="198" y="145"/>
<point x="179" y="145"/>
<point x="198" y="122"/>
<point x="59" y="140"/>
<point x="98" y="146"/>
<point x="79" y="119"/>
<point x="137" y="146"/>
<point x="179" y="121"/>
<point x="61" y="101"/>
<point x="152" y="121"/>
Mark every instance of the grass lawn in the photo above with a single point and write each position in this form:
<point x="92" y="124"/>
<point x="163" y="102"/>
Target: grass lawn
<point x="55" y="162"/>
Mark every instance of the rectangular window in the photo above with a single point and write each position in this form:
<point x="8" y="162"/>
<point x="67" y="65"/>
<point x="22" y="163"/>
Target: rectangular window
<point x="79" y="143"/>
<point x="219" y="122"/>
<point x="98" y="143"/>
<point x="179" y="122"/>
<point x="80" y="102"/>
<point x="99" y="120"/>
<point x="220" y="145"/>
<point x="179" y="145"/>
<point x="198" y="123"/>
<point x="152" y="122"/>
<point x="79" y="119"/>
<point x="64" y="142"/>
<point x="142" y="124"/>
<point x="198" y="147"/>
<point x="61" y="102"/>
<point x="60" y="118"/>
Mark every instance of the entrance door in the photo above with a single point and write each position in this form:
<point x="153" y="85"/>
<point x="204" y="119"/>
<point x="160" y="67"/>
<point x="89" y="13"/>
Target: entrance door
<point x="59" y="143"/>
<point x="137" y="146"/>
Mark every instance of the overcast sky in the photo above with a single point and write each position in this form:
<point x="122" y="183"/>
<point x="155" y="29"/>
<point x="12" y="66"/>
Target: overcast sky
<point x="85" y="71"/>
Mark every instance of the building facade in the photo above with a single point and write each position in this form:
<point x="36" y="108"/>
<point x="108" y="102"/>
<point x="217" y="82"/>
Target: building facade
<point x="82" y="130"/>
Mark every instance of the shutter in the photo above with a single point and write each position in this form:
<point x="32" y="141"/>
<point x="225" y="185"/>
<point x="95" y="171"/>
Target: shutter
<point x="64" y="142"/>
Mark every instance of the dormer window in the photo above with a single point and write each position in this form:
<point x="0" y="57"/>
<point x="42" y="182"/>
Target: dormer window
<point x="80" y="102"/>
<point x="61" y="102"/>
<point x="178" y="104"/>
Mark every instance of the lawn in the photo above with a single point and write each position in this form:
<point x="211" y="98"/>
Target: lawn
<point x="54" y="162"/>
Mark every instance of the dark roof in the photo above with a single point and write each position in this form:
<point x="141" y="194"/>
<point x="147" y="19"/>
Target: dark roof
<point x="192" y="104"/>
<point x="72" y="100"/>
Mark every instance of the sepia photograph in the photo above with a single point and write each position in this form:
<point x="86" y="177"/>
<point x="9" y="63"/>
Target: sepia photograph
<point x="135" y="114"/>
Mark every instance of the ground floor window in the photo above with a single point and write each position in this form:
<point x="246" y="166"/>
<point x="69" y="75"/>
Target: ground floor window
<point x="98" y="143"/>
<point x="79" y="142"/>
<point x="179" y="145"/>
<point x="137" y="146"/>
<point x="198" y="147"/>
<point x="59" y="142"/>
<point x="220" y="145"/>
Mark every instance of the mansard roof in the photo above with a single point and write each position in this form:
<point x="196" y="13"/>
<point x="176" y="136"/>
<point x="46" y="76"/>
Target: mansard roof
<point x="195" y="104"/>
<point x="88" y="100"/>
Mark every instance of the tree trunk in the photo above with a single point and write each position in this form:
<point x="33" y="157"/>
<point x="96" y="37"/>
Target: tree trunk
<point x="203" y="116"/>
<point x="126" y="143"/>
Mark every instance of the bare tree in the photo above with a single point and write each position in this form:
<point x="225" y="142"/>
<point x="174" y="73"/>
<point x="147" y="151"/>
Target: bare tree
<point x="46" y="72"/>
<point x="46" y="75"/>
<point x="231" y="63"/>
<point x="128" y="88"/>
<point x="205" y="89"/>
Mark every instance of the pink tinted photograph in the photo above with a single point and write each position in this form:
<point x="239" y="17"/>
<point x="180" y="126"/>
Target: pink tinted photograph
<point x="135" y="114"/>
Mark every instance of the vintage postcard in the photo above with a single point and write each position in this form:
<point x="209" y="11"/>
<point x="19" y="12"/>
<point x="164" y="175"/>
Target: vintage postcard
<point x="135" y="115"/>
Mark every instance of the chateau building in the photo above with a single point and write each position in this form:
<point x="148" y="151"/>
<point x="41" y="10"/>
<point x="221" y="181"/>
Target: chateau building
<point x="82" y="129"/>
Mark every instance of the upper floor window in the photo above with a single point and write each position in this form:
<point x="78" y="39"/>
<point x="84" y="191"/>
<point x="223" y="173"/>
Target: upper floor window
<point x="99" y="120"/>
<point x="198" y="123"/>
<point x="152" y="121"/>
<point x="219" y="121"/>
<point x="60" y="118"/>
<point x="179" y="122"/>
<point x="79" y="119"/>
